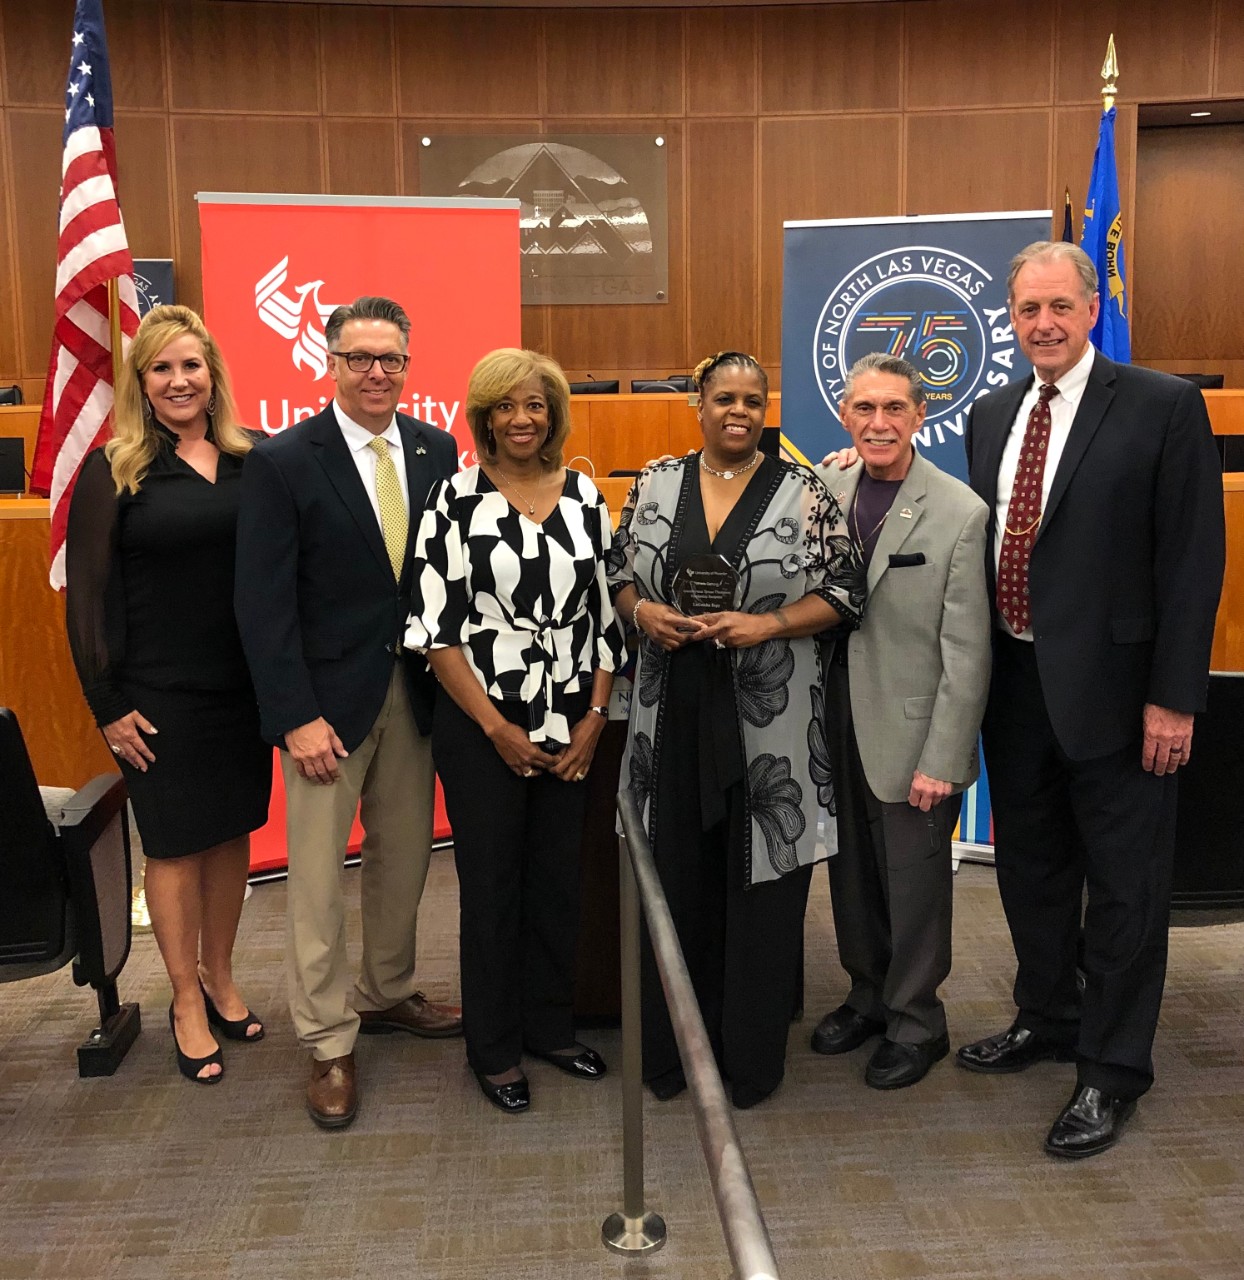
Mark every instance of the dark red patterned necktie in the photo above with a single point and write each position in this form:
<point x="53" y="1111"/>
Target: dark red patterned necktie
<point x="1023" y="515"/>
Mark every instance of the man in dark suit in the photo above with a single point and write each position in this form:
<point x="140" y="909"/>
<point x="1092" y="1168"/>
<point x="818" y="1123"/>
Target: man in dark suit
<point x="1105" y="562"/>
<point x="330" y="509"/>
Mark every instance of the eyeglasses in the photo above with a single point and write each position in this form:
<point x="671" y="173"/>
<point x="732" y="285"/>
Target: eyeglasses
<point x="362" y="361"/>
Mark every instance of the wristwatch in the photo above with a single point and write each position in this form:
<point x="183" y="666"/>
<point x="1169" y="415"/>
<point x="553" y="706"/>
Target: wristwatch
<point x="603" y="712"/>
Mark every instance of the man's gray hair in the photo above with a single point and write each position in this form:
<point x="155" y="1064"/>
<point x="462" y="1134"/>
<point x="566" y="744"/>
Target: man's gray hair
<point x="1054" y="251"/>
<point x="882" y="362"/>
<point x="367" y="308"/>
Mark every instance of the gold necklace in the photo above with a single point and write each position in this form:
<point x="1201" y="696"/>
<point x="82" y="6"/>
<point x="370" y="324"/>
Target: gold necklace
<point x="737" y="471"/>
<point x="531" y="506"/>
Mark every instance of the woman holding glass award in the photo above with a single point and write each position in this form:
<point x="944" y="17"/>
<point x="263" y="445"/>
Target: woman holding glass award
<point x="727" y="563"/>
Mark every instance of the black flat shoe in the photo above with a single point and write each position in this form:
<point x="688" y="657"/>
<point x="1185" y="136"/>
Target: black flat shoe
<point x="895" y="1066"/>
<point x="231" y="1029"/>
<point x="669" y="1084"/>
<point x="586" y="1064"/>
<point x="512" y="1097"/>
<point x="190" y="1067"/>
<point x="844" y="1029"/>
<point x="1089" y="1124"/>
<point x="1015" y="1049"/>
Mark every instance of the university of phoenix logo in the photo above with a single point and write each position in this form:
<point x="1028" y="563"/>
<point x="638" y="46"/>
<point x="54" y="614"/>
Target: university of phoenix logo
<point x="935" y="308"/>
<point x="299" y="319"/>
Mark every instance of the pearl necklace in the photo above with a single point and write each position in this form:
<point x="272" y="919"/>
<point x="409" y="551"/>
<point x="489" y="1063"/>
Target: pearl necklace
<point x="729" y="475"/>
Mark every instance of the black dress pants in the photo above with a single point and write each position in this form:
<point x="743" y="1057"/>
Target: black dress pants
<point x="1062" y="826"/>
<point x="517" y="844"/>
<point x="743" y="946"/>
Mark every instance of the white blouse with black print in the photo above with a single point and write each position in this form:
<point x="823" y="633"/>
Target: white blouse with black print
<point x="529" y="603"/>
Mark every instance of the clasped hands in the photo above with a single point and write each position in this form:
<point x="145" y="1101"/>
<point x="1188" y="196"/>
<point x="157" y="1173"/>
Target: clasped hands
<point x="527" y="759"/>
<point x="666" y="626"/>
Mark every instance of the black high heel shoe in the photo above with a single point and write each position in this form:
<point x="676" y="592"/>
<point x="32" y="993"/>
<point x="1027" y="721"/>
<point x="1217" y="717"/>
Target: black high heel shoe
<point x="190" y="1067"/>
<point x="513" y="1097"/>
<point x="231" y="1028"/>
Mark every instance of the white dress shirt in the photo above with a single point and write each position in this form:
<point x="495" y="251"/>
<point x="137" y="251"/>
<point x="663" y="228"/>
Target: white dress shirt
<point x="1063" y="408"/>
<point x="358" y="441"/>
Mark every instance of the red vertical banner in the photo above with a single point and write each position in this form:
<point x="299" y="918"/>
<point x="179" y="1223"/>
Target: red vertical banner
<point x="275" y="267"/>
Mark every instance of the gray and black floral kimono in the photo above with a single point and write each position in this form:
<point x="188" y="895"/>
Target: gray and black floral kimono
<point x="787" y="538"/>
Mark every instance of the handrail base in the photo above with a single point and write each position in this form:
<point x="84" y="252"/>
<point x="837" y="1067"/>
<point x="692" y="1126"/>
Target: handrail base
<point x="633" y="1235"/>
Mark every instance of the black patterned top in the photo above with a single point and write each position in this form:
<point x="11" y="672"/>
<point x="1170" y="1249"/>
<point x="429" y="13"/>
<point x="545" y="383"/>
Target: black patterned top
<point x="528" y="602"/>
<point x="787" y="538"/>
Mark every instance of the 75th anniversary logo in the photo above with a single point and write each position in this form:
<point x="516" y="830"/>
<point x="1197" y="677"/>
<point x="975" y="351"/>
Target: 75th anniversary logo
<point x="932" y="290"/>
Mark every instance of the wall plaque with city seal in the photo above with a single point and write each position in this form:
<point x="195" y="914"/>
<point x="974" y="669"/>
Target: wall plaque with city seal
<point x="706" y="584"/>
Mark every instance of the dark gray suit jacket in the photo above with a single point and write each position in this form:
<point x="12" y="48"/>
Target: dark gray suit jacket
<point x="1127" y="566"/>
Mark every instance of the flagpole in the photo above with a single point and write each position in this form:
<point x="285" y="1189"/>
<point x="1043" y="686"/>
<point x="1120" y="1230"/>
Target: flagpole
<point x="114" y="332"/>
<point x="1109" y="73"/>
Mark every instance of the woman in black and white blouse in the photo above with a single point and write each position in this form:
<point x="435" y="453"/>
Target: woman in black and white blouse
<point x="512" y="606"/>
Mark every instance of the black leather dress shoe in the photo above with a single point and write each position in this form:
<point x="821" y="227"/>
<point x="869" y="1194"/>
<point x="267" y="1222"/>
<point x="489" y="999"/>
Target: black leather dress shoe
<point x="587" y="1064"/>
<point x="844" y="1029"/>
<point x="1015" y="1049"/>
<point x="895" y="1066"/>
<point x="1091" y="1122"/>
<point x="512" y="1097"/>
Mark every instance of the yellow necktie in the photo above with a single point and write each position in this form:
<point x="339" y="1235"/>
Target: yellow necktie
<point x="394" y="519"/>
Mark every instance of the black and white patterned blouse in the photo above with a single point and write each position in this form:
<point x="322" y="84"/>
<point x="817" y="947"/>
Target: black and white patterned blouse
<point x="528" y="602"/>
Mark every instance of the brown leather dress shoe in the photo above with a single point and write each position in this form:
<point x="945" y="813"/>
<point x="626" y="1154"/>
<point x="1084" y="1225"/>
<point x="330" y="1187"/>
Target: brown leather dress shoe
<point x="418" y="1015"/>
<point x="332" y="1094"/>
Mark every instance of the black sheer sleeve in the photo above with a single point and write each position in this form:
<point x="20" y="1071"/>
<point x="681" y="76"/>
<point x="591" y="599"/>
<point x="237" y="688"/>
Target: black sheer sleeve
<point x="94" y="595"/>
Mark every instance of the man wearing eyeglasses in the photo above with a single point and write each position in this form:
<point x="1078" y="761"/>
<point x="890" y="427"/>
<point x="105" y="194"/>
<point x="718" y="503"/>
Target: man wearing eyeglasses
<point x="325" y="537"/>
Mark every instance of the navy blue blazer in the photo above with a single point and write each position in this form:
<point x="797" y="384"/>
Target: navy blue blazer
<point x="319" y="611"/>
<point x="1127" y="565"/>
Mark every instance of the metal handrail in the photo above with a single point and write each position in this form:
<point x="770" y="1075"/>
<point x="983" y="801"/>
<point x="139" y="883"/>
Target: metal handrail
<point x="742" y="1224"/>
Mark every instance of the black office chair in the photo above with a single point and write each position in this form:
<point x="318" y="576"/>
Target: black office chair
<point x="11" y="395"/>
<point x="65" y="872"/>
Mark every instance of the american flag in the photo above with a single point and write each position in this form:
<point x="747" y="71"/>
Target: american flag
<point x="77" y="402"/>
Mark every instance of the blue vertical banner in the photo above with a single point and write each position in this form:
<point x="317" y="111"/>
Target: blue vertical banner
<point x="929" y="289"/>
<point x="153" y="278"/>
<point x="1102" y="240"/>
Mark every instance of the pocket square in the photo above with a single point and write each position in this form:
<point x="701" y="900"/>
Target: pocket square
<point x="906" y="562"/>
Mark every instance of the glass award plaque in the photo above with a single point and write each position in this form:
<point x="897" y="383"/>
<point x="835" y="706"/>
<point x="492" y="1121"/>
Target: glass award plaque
<point x="706" y="584"/>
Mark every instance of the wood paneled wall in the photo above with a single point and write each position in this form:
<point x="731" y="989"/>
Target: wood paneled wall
<point x="1189" y="214"/>
<point x="833" y="110"/>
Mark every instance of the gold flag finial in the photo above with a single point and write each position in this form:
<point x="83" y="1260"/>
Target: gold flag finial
<point x="1109" y="73"/>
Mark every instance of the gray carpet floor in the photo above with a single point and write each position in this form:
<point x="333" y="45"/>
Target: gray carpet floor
<point x="148" y="1177"/>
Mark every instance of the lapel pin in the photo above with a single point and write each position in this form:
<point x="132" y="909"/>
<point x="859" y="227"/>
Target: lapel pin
<point x="842" y="495"/>
<point x="905" y="514"/>
<point x="420" y="450"/>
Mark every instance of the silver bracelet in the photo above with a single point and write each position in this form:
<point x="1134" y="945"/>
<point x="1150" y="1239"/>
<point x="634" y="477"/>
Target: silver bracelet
<point x="635" y="612"/>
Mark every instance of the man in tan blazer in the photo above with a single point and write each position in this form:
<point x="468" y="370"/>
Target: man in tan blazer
<point x="904" y="698"/>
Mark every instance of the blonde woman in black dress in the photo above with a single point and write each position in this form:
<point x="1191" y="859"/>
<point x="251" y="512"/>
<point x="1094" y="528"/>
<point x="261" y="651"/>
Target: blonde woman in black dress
<point x="149" y="570"/>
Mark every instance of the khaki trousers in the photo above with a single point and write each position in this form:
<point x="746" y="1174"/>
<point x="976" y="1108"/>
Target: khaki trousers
<point x="390" y="772"/>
